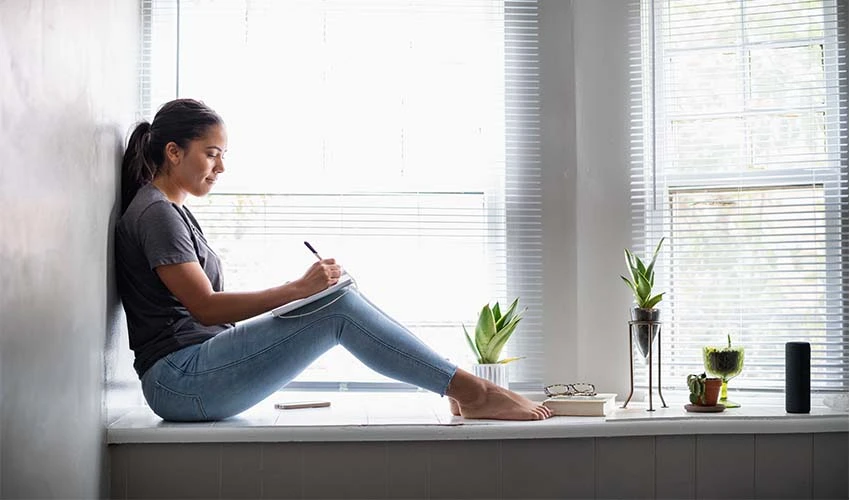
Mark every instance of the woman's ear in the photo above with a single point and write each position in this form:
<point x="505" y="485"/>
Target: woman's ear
<point x="173" y="153"/>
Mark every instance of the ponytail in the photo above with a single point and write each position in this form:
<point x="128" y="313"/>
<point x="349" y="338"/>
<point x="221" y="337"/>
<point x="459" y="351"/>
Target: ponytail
<point x="137" y="167"/>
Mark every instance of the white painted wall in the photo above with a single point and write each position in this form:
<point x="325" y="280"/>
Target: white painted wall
<point x="68" y="91"/>
<point x="584" y="71"/>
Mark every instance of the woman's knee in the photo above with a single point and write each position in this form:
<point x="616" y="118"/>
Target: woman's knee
<point x="350" y="301"/>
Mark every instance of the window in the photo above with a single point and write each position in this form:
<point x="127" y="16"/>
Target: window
<point x="740" y="159"/>
<point x="398" y="137"/>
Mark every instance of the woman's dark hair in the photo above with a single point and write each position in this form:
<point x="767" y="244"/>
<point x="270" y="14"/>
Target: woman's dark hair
<point x="179" y="121"/>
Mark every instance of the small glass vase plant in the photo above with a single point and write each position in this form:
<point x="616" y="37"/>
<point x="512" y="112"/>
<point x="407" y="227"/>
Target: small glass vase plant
<point x="725" y="363"/>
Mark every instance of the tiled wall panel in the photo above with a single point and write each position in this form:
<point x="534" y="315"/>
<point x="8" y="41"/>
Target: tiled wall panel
<point x="408" y="469"/>
<point x="725" y="466"/>
<point x="241" y="470"/>
<point x="783" y="466"/>
<point x="704" y="466"/>
<point x="174" y="471"/>
<point x="829" y="465"/>
<point x="345" y="470"/>
<point x="547" y="468"/>
<point x="465" y="469"/>
<point x="281" y="470"/>
<point x="675" y="467"/>
<point x="625" y="467"/>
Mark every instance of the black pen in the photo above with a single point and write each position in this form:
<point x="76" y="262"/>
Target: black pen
<point x="313" y="250"/>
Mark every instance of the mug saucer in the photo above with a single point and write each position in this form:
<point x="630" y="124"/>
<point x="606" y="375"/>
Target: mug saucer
<point x="705" y="409"/>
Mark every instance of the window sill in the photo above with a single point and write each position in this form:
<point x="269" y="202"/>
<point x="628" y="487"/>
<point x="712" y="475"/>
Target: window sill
<point x="425" y="417"/>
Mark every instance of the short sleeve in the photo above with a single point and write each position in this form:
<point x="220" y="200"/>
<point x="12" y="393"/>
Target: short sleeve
<point x="164" y="236"/>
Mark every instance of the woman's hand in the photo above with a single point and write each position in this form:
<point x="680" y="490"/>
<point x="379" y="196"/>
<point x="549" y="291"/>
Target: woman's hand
<point x="321" y="275"/>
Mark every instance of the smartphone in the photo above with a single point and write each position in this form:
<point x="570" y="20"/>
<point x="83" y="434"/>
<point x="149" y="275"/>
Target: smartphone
<point x="294" y="405"/>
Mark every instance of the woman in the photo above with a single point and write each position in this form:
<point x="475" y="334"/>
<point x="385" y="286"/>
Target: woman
<point x="195" y="364"/>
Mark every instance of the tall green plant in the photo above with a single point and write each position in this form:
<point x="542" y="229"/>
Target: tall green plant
<point x="492" y="332"/>
<point x="642" y="278"/>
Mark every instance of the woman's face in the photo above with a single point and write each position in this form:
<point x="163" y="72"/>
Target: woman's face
<point x="196" y="168"/>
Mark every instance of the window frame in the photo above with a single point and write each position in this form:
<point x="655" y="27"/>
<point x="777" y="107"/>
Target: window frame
<point x="519" y="148"/>
<point x="660" y="189"/>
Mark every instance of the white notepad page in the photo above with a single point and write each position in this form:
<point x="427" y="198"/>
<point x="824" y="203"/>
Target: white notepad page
<point x="343" y="282"/>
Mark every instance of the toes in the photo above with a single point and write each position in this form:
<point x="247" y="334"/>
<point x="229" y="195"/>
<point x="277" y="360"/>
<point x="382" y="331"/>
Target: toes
<point x="543" y="411"/>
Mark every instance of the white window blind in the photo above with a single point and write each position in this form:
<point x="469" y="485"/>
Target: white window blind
<point x="399" y="137"/>
<point x="740" y="160"/>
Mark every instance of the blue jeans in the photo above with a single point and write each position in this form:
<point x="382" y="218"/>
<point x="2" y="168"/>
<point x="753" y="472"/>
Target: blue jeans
<point x="243" y="365"/>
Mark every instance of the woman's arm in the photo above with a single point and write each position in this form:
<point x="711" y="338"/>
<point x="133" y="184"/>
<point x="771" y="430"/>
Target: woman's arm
<point x="192" y="288"/>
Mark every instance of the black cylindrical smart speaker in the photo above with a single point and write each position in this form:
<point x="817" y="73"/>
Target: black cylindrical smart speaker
<point x="798" y="377"/>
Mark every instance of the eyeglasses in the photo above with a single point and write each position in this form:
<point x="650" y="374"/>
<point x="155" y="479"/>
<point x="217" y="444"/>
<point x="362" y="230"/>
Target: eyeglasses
<point x="579" y="389"/>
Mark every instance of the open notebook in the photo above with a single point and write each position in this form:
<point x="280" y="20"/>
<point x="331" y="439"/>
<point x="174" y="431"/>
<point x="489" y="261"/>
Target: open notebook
<point x="344" y="281"/>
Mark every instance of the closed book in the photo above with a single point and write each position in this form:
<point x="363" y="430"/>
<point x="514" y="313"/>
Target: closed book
<point x="581" y="406"/>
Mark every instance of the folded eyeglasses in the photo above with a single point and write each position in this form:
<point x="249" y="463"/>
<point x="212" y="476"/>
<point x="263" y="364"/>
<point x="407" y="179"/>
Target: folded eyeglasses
<point x="579" y="389"/>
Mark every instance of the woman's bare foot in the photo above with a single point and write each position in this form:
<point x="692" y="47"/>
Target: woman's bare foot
<point x="500" y="403"/>
<point x="479" y="398"/>
<point x="454" y="407"/>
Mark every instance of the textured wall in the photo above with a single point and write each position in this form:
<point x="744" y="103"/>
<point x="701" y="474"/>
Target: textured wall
<point x="68" y="94"/>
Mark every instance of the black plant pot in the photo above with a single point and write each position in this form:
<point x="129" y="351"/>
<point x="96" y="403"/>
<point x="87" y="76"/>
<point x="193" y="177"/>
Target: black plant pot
<point x="644" y="334"/>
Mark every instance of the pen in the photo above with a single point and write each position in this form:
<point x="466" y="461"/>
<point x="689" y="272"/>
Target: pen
<point x="313" y="250"/>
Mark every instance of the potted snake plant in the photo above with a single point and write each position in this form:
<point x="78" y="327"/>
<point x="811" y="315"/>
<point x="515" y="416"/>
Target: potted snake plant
<point x="492" y="331"/>
<point x="641" y="281"/>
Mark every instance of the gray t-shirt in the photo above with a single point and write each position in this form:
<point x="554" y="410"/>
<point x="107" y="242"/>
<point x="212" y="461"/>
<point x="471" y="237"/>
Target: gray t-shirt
<point x="153" y="232"/>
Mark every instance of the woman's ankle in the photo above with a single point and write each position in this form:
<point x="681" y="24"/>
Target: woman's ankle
<point x="466" y="388"/>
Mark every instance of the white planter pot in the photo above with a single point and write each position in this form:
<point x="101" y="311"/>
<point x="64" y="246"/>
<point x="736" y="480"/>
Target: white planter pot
<point x="496" y="373"/>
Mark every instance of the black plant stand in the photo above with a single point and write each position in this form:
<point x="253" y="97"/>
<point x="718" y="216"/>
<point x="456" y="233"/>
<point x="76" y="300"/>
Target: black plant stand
<point x="653" y="326"/>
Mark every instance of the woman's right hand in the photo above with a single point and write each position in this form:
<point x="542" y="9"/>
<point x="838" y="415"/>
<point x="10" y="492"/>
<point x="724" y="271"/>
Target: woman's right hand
<point x="319" y="276"/>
